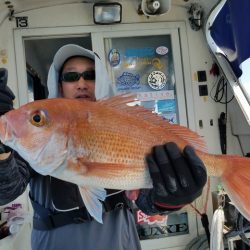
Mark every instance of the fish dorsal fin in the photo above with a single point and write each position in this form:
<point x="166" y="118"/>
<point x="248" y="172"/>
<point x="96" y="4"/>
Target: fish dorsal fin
<point x="120" y="103"/>
<point x="191" y="137"/>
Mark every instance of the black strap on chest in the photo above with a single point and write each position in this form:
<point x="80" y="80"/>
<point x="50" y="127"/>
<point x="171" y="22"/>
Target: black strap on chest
<point x="49" y="220"/>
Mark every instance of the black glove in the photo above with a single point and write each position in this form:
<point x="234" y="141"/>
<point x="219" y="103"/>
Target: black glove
<point x="6" y="95"/>
<point x="6" y="101"/>
<point x="178" y="179"/>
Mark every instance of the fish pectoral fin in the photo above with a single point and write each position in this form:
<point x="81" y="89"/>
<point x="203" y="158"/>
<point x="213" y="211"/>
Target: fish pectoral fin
<point x="99" y="170"/>
<point x="91" y="197"/>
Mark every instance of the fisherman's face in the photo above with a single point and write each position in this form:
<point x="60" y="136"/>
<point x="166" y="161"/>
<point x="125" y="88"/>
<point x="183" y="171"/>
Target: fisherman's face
<point x="73" y="88"/>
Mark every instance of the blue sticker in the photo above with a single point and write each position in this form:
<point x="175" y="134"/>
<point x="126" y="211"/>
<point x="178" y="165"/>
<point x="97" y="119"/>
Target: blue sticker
<point x="140" y="52"/>
<point x="166" y="106"/>
<point x="114" y="57"/>
<point x="128" y="81"/>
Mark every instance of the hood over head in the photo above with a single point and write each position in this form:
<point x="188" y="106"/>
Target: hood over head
<point x="103" y="85"/>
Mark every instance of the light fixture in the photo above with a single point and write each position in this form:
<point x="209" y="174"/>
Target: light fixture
<point x="107" y="13"/>
<point x="152" y="8"/>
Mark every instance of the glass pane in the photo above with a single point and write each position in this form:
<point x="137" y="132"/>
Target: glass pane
<point x="144" y="65"/>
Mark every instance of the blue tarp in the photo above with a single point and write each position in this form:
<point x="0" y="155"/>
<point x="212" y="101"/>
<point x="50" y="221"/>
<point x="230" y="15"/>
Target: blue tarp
<point x="231" y="32"/>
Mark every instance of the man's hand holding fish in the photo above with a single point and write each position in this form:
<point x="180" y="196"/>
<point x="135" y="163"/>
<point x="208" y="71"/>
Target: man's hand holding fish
<point x="178" y="179"/>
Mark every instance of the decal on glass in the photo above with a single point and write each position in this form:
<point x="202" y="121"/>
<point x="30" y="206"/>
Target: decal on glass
<point x="157" y="80"/>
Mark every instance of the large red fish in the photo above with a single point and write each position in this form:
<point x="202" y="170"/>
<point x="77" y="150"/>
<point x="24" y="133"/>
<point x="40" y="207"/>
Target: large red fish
<point x="102" y="144"/>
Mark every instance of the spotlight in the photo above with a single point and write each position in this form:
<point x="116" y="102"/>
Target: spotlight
<point x="107" y="13"/>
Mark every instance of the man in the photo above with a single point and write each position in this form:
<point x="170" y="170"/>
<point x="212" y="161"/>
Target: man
<point x="60" y="218"/>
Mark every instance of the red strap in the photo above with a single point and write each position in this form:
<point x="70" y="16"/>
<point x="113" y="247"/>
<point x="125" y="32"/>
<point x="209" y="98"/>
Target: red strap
<point x="168" y="206"/>
<point x="180" y="206"/>
<point x="206" y="200"/>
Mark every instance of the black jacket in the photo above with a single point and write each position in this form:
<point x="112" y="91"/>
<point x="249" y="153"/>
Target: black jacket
<point x="54" y="194"/>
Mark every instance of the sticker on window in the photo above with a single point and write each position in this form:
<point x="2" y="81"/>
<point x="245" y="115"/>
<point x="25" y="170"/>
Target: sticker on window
<point x="114" y="57"/>
<point x="162" y="50"/>
<point x="157" y="80"/>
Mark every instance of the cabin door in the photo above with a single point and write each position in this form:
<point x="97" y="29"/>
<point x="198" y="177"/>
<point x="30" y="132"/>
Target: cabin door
<point x="149" y="62"/>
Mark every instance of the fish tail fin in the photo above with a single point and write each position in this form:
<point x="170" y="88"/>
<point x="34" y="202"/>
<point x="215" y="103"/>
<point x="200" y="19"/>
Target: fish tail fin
<point x="236" y="180"/>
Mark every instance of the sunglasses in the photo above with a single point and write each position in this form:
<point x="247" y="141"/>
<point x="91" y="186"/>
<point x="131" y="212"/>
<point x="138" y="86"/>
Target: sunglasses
<point x="75" y="76"/>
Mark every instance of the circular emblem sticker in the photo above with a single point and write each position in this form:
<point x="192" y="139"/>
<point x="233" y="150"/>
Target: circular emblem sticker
<point x="114" y="57"/>
<point x="157" y="80"/>
<point x="162" y="50"/>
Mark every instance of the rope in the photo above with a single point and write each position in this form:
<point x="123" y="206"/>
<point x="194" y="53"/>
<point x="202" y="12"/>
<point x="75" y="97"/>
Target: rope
<point x="204" y="218"/>
<point x="206" y="200"/>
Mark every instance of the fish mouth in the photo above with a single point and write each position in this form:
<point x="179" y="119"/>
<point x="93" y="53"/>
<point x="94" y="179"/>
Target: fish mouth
<point x="6" y="132"/>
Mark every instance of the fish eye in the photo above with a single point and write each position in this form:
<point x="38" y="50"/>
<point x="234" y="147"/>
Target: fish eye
<point x="38" y="118"/>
